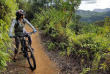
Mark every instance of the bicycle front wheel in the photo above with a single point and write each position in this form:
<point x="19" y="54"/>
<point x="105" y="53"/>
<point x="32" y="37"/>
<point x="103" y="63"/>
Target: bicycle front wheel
<point x="31" y="58"/>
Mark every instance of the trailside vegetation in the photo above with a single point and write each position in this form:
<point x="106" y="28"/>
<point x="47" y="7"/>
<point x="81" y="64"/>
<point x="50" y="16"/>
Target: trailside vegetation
<point x="7" y="11"/>
<point x="89" y="44"/>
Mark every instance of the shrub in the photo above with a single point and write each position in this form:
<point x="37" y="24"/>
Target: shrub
<point x="7" y="11"/>
<point x="87" y="42"/>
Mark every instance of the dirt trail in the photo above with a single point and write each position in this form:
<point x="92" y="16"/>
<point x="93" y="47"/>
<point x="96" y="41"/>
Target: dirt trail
<point x="44" y="64"/>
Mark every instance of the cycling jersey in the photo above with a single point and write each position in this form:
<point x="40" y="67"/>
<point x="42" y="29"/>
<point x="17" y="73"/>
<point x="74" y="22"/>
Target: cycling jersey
<point x="19" y="28"/>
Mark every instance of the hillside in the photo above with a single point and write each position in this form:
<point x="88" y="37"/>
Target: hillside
<point x="90" y="16"/>
<point x="102" y="10"/>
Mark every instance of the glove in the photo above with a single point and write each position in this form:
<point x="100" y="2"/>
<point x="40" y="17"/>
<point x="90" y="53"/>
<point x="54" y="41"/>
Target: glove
<point x="10" y="36"/>
<point x="34" y="31"/>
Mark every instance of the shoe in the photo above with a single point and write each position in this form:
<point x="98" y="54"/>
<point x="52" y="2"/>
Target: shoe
<point x="14" y="59"/>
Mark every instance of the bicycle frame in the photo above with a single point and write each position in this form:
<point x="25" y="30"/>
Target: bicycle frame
<point x="27" y="50"/>
<point x="23" y="41"/>
<point x="23" y="45"/>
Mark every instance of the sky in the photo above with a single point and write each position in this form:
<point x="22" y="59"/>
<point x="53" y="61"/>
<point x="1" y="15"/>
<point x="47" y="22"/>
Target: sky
<point x="94" y="4"/>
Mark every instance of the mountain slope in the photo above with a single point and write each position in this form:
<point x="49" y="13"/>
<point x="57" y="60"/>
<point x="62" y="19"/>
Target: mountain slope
<point x="90" y="16"/>
<point x="102" y="10"/>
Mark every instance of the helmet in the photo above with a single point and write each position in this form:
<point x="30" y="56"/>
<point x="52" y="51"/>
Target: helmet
<point x="20" y="12"/>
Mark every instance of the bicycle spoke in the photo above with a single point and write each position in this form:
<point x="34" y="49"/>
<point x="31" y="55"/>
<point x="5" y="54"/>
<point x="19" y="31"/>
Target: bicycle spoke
<point x="31" y="59"/>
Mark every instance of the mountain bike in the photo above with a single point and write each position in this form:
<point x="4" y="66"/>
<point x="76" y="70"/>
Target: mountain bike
<point x="26" y="50"/>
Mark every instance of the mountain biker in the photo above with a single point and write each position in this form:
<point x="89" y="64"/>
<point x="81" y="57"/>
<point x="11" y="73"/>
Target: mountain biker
<point x="19" y="28"/>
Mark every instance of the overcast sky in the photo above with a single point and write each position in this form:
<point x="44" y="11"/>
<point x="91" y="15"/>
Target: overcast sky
<point x="94" y="4"/>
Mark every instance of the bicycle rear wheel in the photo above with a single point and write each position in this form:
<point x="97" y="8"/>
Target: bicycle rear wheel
<point x="31" y="58"/>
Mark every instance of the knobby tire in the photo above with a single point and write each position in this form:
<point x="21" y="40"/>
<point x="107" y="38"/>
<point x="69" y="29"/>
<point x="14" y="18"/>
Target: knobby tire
<point x="32" y="62"/>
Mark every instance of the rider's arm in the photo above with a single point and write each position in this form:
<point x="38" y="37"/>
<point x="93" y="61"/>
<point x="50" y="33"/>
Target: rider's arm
<point x="29" y="24"/>
<point x="12" y="26"/>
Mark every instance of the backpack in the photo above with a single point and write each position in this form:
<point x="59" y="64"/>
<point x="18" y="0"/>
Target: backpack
<point x="17" y="24"/>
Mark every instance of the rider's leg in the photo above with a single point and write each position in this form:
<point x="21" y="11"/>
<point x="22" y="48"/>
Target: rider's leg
<point x="29" y="37"/>
<point x="30" y="40"/>
<point x="17" y="46"/>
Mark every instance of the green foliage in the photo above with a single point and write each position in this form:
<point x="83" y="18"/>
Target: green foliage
<point x="104" y="65"/>
<point x="62" y="53"/>
<point x="69" y="50"/>
<point x="7" y="11"/>
<point x="70" y="5"/>
<point x="88" y="42"/>
<point x="4" y="44"/>
<point x="85" y="70"/>
<point x="67" y="34"/>
<point x="51" y="46"/>
<point x="96" y="61"/>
